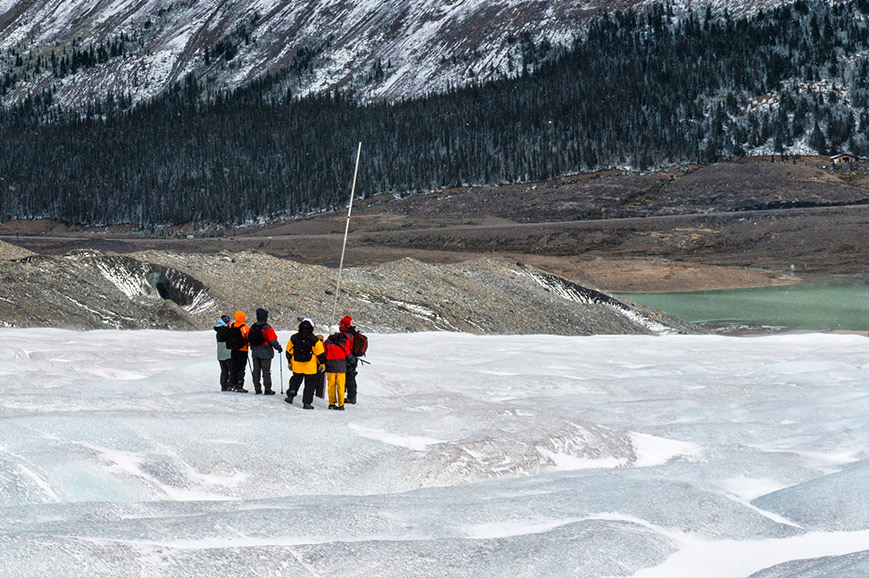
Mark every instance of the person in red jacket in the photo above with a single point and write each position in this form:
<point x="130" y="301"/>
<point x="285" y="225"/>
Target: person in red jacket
<point x="346" y="327"/>
<point x="263" y="342"/>
<point x="337" y="350"/>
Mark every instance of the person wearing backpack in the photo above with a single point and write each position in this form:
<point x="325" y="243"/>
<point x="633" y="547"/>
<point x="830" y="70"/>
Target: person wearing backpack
<point x="357" y="346"/>
<point x="304" y="353"/>
<point x="263" y="343"/>
<point x="224" y="355"/>
<point x="337" y="350"/>
<point x="236" y="341"/>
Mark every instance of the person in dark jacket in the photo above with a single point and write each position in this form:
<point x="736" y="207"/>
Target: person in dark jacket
<point x="224" y="355"/>
<point x="304" y="355"/>
<point x="346" y="327"/>
<point x="262" y="351"/>
<point x="320" y="389"/>
<point x="337" y="350"/>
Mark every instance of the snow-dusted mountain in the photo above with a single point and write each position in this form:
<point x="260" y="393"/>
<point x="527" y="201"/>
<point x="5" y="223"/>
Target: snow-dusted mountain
<point x="379" y="50"/>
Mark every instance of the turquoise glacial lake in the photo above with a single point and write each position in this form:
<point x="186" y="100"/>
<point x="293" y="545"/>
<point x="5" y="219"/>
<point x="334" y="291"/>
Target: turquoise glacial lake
<point x="823" y="305"/>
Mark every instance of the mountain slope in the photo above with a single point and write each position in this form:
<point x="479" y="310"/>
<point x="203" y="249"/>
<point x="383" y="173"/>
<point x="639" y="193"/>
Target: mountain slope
<point x="381" y="50"/>
<point x="640" y="91"/>
<point x="376" y="50"/>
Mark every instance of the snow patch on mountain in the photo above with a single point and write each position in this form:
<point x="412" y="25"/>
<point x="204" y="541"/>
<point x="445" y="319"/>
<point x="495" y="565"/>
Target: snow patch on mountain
<point x="573" y="292"/>
<point x="422" y="46"/>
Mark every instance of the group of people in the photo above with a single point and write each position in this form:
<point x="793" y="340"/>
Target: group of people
<point x="321" y="364"/>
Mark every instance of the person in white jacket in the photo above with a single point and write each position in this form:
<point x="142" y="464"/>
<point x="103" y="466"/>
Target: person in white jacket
<point x="224" y="354"/>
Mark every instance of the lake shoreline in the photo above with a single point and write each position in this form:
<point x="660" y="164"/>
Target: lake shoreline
<point x="765" y="331"/>
<point x="818" y="303"/>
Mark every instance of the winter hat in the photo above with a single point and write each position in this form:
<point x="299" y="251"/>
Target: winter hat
<point x="226" y="319"/>
<point x="333" y="329"/>
<point x="262" y="315"/>
<point x="240" y="317"/>
<point x="306" y="325"/>
<point x="345" y="322"/>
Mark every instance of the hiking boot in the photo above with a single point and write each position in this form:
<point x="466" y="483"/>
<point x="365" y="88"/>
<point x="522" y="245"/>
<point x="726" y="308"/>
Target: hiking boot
<point x="259" y="392"/>
<point x="240" y="390"/>
<point x="269" y="392"/>
<point x="333" y="406"/>
<point x="350" y="400"/>
<point x="289" y="398"/>
<point x="340" y="408"/>
<point x="226" y="389"/>
<point x="307" y="406"/>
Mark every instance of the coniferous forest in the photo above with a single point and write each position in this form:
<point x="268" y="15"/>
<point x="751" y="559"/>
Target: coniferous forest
<point x="637" y="89"/>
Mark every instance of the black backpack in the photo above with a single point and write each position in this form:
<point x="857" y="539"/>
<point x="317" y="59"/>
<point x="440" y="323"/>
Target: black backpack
<point x="234" y="339"/>
<point x="303" y="347"/>
<point x="257" y="334"/>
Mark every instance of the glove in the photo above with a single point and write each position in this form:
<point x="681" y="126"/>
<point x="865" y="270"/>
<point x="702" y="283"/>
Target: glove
<point x="321" y="368"/>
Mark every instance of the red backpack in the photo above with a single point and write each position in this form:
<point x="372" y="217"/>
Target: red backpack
<point x="360" y="344"/>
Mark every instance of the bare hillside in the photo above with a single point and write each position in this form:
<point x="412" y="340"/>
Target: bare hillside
<point x="157" y="289"/>
<point x="735" y="224"/>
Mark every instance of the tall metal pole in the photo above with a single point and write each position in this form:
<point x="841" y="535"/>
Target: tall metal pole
<point x="346" y="231"/>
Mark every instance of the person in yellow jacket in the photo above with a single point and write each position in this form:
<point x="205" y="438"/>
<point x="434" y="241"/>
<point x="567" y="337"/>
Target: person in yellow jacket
<point x="236" y="342"/>
<point x="304" y="355"/>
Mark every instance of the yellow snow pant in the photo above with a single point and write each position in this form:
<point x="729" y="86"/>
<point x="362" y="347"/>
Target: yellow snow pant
<point x="336" y="383"/>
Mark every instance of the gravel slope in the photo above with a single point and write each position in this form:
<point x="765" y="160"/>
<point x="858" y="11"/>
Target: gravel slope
<point x="157" y="289"/>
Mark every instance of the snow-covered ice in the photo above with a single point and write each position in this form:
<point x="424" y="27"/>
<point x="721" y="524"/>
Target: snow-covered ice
<point x="465" y="456"/>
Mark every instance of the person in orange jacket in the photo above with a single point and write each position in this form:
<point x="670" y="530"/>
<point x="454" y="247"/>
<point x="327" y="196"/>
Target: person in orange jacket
<point x="236" y="341"/>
